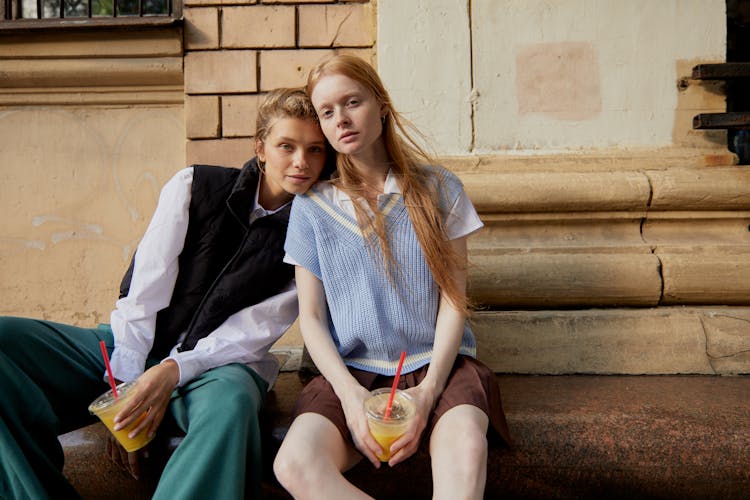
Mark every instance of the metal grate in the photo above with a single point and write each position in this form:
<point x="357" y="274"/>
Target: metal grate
<point x="82" y="9"/>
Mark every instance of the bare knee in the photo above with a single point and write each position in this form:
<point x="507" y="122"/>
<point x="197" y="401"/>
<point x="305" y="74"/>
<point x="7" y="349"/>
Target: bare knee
<point x="289" y="465"/>
<point x="462" y="430"/>
<point x="312" y="454"/>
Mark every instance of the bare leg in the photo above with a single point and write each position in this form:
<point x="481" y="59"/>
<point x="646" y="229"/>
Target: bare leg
<point x="311" y="460"/>
<point x="458" y="448"/>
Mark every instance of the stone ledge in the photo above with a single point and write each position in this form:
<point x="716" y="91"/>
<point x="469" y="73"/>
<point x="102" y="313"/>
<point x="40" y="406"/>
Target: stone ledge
<point x="625" y="341"/>
<point x="706" y="276"/>
<point x="610" y="188"/>
<point x="711" y="189"/>
<point x="533" y="192"/>
<point x="610" y="237"/>
<point x="575" y="279"/>
<point x="574" y="437"/>
<point x="59" y="44"/>
<point x="83" y="72"/>
<point x="664" y="340"/>
<point x="92" y="96"/>
<point x="591" y="160"/>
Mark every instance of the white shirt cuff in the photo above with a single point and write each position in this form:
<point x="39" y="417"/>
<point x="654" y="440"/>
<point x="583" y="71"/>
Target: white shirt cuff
<point x="127" y="364"/>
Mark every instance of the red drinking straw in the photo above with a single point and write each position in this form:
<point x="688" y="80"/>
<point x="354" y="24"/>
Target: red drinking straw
<point x="395" y="384"/>
<point x="109" y="369"/>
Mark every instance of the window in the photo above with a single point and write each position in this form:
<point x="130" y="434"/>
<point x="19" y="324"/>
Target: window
<point x="23" y="14"/>
<point x="56" y="9"/>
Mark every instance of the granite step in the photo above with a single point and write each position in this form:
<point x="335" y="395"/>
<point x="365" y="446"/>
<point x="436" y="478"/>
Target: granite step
<point x="576" y="436"/>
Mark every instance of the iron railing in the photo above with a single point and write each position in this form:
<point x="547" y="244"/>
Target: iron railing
<point x="51" y="10"/>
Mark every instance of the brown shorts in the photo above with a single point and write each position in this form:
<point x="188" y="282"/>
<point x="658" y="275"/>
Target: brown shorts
<point x="470" y="382"/>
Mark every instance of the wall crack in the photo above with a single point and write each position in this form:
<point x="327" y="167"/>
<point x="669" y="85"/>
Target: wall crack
<point x="644" y="219"/>
<point x="709" y="357"/>
<point x="338" y="29"/>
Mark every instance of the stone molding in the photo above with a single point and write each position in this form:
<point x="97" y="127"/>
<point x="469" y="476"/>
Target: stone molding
<point x="92" y="96"/>
<point x="610" y="238"/>
<point x="533" y="192"/>
<point x="632" y="341"/>
<point x="100" y="72"/>
<point x="664" y="340"/>
<point x="63" y="68"/>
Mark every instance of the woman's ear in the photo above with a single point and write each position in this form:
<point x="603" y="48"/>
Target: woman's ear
<point x="383" y="111"/>
<point x="260" y="151"/>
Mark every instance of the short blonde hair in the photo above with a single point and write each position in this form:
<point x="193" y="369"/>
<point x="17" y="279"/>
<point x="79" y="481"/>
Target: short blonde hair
<point x="283" y="103"/>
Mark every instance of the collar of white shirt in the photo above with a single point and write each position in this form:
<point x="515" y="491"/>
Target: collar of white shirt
<point x="258" y="211"/>
<point x="390" y="187"/>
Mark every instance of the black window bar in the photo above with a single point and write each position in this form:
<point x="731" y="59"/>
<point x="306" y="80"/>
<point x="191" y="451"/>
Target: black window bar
<point x="11" y="10"/>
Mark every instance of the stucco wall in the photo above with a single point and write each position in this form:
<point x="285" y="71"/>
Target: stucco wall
<point x="498" y="76"/>
<point x="86" y="144"/>
<point x="76" y="196"/>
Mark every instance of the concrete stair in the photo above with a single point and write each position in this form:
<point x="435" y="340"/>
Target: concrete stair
<point x="576" y="436"/>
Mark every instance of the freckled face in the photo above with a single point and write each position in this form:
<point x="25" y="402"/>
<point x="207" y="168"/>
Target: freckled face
<point x="349" y="114"/>
<point x="294" y="154"/>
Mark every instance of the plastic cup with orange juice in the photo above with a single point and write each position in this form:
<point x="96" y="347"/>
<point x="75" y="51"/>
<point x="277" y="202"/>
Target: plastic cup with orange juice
<point x="387" y="430"/>
<point x="106" y="407"/>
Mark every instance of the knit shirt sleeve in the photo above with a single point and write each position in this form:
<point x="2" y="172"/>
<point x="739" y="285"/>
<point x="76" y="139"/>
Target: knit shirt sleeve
<point x="301" y="240"/>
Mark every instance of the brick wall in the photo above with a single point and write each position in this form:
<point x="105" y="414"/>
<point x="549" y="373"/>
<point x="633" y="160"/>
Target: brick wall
<point x="235" y="51"/>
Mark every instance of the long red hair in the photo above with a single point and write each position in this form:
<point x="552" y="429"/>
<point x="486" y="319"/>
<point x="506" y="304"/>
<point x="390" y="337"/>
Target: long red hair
<point x="418" y="186"/>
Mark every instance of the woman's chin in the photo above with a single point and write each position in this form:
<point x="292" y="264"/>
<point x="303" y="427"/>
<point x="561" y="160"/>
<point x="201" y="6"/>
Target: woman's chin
<point x="295" y="189"/>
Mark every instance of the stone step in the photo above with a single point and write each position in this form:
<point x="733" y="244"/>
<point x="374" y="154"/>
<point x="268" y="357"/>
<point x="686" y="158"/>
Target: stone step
<point x="707" y="340"/>
<point x="576" y="436"/>
<point x="699" y="340"/>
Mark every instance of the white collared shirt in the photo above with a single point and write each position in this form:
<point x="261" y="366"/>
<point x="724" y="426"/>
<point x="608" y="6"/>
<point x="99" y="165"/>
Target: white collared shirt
<point x="462" y="220"/>
<point x="244" y="337"/>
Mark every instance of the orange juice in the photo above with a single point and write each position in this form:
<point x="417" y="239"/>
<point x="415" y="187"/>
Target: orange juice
<point x="106" y="408"/>
<point x="387" y="430"/>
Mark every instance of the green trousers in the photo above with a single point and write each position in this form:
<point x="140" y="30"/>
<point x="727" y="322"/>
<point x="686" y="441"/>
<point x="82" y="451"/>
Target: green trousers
<point x="50" y="372"/>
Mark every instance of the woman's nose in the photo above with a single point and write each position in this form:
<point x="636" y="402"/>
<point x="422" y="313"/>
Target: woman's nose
<point x="301" y="160"/>
<point x="342" y="118"/>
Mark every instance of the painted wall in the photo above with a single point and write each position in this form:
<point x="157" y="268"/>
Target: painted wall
<point x="88" y="135"/>
<point x="498" y="76"/>
<point x="75" y="197"/>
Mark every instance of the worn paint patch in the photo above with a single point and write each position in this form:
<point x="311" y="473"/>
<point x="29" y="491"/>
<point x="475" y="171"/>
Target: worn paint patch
<point x="559" y="79"/>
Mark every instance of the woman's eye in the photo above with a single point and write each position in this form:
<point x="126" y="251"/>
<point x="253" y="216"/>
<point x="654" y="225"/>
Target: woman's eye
<point x="316" y="149"/>
<point x="326" y="113"/>
<point x="353" y="102"/>
<point x="285" y="147"/>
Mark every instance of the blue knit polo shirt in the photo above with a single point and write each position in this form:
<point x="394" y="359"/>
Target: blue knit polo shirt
<point x="371" y="318"/>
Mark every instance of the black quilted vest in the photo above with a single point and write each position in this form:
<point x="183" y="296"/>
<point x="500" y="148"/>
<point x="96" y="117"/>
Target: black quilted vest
<point x="226" y="264"/>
